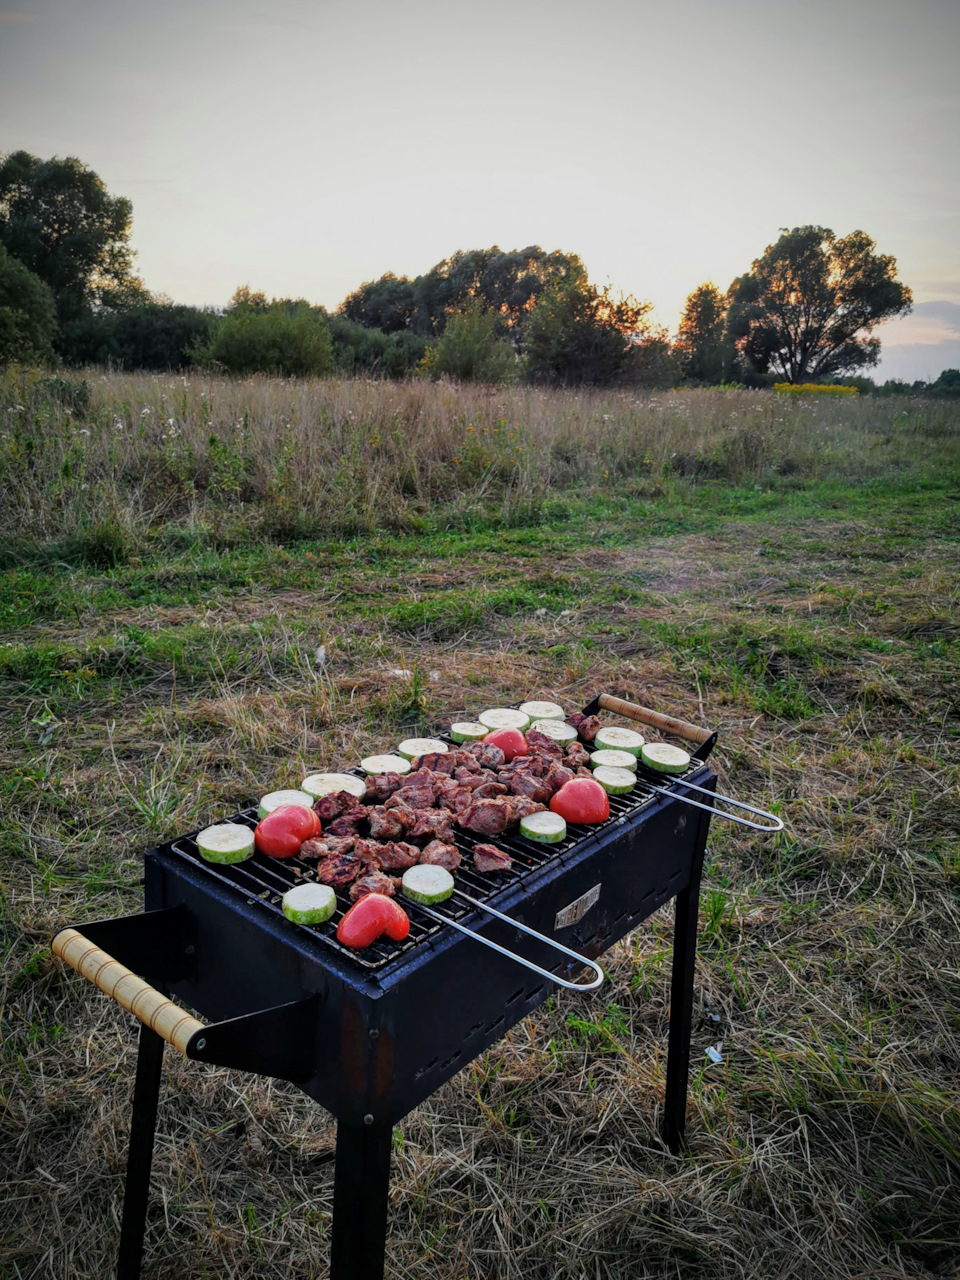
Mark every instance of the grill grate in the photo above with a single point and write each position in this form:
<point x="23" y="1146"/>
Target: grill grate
<point x="266" y="879"/>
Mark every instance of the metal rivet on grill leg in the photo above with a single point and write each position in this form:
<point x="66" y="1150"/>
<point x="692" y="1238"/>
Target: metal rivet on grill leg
<point x="201" y="1045"/>
<point x="368" y="1119"/>
<point x="374" y="1033"/>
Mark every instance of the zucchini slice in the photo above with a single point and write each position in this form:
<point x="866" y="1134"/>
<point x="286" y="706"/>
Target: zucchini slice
<point x="309" y="903"/>
<point x="620" y="739"/>
<point x="614" y="759"/>
<point x="616" y="782"/>
<point x="557" y="730"/>
<point x="468" y="731"/>
<point x="427" y="884"/>
<point x="385" y="764"/>
<point x="328" y="784"/>
<point x="274" y="799"/>
<point x="226" y="842"/>
<point x="542" y="710"/>
<point x="411" y="747"/>
<point x="547" y="827"/>
<point x="665" y="758"/>
<point x="503" y="718"/>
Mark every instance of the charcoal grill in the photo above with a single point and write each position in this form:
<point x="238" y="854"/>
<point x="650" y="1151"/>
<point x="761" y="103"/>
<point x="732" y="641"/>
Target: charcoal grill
<point x="371" y="1034"/>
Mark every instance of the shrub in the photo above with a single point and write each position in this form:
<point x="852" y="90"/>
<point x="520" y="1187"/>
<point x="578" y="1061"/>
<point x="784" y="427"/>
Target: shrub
<point x="156" y="335"/>
<point x="28" y="316"/>
<point x="470" y="351"/>
<point x="358" y="350"/>
<point x="813" y="389"/>
<point x="283" y="339"/>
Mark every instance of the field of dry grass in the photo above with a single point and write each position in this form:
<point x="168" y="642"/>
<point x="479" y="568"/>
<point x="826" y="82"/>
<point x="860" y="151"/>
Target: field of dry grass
<point x="793" y="583"/>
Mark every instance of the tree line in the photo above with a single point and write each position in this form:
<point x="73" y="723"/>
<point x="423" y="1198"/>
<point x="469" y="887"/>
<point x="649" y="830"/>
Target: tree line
<point x="805" y="311"/>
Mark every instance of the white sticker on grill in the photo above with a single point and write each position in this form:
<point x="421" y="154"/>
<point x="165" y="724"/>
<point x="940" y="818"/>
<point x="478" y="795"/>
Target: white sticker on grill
<point x="577" y="910"/>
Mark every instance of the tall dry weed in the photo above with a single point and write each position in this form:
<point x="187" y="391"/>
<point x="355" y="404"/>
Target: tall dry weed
<point x="289" y="458"/>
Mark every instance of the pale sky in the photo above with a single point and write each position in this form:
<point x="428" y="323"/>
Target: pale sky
<point x="303" y="146"/>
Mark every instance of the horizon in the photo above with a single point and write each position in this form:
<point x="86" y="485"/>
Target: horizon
<point x="306" y="148"/>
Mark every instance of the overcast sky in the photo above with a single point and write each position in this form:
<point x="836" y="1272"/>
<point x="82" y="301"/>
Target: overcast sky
<point x="303" y="146"/>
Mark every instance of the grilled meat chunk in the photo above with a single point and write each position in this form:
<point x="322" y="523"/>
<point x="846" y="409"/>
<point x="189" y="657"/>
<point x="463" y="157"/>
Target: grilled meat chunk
<point x="521" y="807"/>
<point x="313" y="849"/>
<point x="372" y="881"/>
<point x="556" y="777"/>
<point x="329" y="807"/>
<point x="381" y="787"/>
<point x="368" y="850"/>
<point x="488" y="789"/>
<point x="486" y="754"/>
<point x="438" y="854"/>
<point x="386" y="824"/>
<point x="413" y="798"/>
<point x="397" y="856"/>
<point x="589" y="727"/>
<point x="524" y="784"/>
<point x="349" y="823"/>
<point x="338" y="870"/>
<point x="576" y="754"/>
<point x="437" y="823"/>
<point x="487" y="857"/>
<point x="542" y="744"/>
<point x="485" y="817"/>
<point x="584" y="772"/>
<point x="436" y="761"/>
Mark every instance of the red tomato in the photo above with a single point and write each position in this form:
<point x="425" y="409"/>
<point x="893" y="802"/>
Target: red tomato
<point x="581" y="800"/>
<point x="281" y="833"/>
<point x="510" y="741"/>
<point x="373" y="915"/>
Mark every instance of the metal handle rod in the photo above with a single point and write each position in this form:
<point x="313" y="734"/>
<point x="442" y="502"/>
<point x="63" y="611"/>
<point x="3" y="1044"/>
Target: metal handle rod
<point x="731" y="817"/>
<point x="512" y="955"/>
<point x="739" y="804"/>
<point x="542" y="937"/>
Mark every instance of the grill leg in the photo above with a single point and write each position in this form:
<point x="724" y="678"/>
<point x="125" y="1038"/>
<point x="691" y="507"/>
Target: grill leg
<point x="681" y="1008"/>
<point x="146" y="1092"/>
<point x="360" y="1183"/>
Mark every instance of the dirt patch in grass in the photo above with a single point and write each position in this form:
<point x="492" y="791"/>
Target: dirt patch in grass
<point x="825" y="1143"/>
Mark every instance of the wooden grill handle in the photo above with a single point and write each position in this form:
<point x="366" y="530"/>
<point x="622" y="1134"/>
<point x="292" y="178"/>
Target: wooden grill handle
<point x="121" y="984"/>
<point x="667" y="724"/>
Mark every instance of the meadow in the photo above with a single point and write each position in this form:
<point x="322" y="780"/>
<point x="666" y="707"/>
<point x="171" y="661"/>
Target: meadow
<point x="173" y="554"/>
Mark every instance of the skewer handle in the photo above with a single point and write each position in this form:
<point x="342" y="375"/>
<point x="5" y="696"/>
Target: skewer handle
<point x="122" y="984"/>
<point x="666" y="724"/>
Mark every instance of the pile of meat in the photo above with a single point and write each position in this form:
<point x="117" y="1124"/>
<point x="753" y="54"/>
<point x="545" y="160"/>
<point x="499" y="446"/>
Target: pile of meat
<point x="474" y="788"/>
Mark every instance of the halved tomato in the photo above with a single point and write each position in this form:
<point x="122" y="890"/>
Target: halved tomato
<point x="281" y="833"/>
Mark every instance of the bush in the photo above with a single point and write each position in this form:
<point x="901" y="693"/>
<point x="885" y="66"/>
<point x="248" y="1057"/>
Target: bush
<point x="28" y="314"/>
<point x="948" y="384"/>
<point x="813" y="389"/>
<point x="578" y="335"/>
<point x="470" y="351"/>
<point x="359" y="351"/>
<point x="155" y="335"/>
<point x="283" y="339"/>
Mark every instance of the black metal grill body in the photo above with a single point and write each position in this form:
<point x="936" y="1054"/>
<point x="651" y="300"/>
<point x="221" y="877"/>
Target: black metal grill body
<point x="374" y="1044"/>
<point x="371" y="1034"/>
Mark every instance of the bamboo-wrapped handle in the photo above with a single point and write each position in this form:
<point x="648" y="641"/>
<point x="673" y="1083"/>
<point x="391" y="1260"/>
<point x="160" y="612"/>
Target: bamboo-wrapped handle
<point x="117" y="981"/>
<point x="666" y="724"/>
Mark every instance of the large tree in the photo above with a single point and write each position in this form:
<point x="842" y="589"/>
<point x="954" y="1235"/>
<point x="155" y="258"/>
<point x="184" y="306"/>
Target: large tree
<point x="701" y="346"/>
<point x="506" y="283"/>
<point x="808" y="307"/>
<point x="59" y="220"/>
